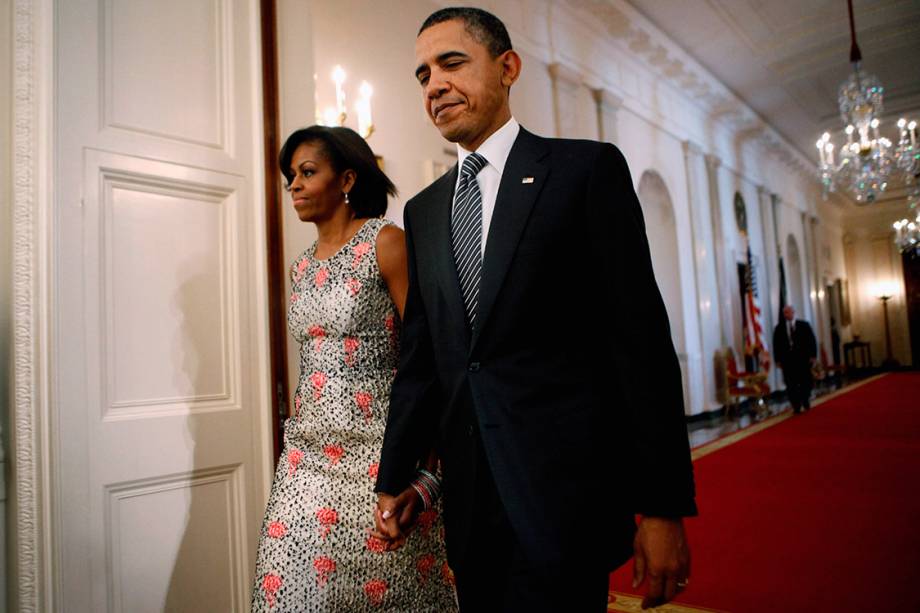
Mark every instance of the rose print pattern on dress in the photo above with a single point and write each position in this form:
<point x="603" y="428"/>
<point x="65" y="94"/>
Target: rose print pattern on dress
<point x="270" y="585"/>
<point x="276" y="530"/>
<point x="376" y="590"/>
<point x="334" y="453"/>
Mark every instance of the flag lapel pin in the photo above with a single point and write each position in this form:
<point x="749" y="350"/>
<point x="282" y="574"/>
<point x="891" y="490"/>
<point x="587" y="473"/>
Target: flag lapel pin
<point x="527" y="180"/>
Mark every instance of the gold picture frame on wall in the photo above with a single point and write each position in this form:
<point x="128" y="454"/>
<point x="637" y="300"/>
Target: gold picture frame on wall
<point x="740" y="213"/>
<point x="843" y="294"/>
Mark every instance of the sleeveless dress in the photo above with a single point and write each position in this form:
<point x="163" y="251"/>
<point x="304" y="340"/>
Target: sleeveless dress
<point x="314" y="550"/>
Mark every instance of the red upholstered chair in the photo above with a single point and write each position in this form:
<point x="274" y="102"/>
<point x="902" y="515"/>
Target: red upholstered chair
<point x="830" y="370"/>
<point x="742" y="384"/>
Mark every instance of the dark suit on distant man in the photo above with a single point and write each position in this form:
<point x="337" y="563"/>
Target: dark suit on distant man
<point x="795" y="351"/>
<point x="558" y="415"/>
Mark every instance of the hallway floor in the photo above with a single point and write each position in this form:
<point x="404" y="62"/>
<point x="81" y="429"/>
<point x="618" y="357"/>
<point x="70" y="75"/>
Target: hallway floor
<point x="810" y="512"/>
<point x="718" y="425"/>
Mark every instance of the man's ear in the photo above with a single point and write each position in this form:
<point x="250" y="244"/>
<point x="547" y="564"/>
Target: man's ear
<point x="511" y="67"/>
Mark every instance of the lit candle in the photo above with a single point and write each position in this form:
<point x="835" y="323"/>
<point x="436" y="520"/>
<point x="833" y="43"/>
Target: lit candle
<point x="864" y="143"/>
<point x="849" y="132"/>
<point x="338" y="76"/>
<point x="330" y="116"/>
<point x="830" y="153"/>
<point x="820" y="146"/>
<point x="363" y="108"/>
<point x="913" y="133"/>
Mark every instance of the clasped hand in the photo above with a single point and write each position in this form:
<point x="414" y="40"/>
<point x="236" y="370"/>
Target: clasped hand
<point x="661" y="554"/>
<point x="394" y="517"/>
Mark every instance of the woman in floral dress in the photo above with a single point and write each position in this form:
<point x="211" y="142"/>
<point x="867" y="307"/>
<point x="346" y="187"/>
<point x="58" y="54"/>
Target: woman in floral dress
<point x="316" y="549"/>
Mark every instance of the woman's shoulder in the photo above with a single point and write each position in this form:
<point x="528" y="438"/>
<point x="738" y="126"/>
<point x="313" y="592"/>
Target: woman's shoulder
<point x="389" y="232"/>
<point x="391" y="248"/>
<point x="390" y="239"/>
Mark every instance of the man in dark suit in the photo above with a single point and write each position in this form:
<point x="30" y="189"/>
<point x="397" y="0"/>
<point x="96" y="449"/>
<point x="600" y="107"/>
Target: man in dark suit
<point x="795" y="351"/>
<point x="536" y="354"/>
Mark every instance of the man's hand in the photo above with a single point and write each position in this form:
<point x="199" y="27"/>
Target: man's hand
<point x="394" y="517"/>
<point x="661" y="552"/>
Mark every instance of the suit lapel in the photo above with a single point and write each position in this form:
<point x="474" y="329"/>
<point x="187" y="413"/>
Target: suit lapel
<point x="512" y="208"/>
<point x="438" y="211"/>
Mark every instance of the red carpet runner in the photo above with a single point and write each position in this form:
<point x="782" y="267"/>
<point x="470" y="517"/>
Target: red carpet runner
<point x="818" y="513"/>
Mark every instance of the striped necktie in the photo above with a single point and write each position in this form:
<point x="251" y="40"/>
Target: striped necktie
<point x="466" y="233"/>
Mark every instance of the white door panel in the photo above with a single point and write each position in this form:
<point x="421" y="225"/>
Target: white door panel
<point x="162" y="417"/>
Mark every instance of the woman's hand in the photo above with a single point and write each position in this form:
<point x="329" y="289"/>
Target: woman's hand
<point x="394" y="517"/>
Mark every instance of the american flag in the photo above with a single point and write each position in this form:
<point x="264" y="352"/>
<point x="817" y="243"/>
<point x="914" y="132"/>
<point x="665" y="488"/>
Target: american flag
<point x="753" y="332"/>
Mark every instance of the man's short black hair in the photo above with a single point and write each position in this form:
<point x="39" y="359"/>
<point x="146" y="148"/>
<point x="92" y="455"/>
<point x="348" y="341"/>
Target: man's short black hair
<point x="482" y="25"/>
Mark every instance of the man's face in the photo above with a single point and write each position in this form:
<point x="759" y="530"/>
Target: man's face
<point x="464" y="89"/>
<point x="788" y="313"/>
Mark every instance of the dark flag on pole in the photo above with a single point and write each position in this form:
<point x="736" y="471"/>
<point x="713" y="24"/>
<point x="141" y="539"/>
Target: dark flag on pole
<point x="782" y="289"/>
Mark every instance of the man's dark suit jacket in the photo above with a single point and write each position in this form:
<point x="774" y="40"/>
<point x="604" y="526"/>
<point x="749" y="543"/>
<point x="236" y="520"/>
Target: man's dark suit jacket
<point x="570" y="376"/>
<point x="797" y="359"/>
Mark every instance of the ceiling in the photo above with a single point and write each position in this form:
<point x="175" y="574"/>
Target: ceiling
<point x="787" y="58"/>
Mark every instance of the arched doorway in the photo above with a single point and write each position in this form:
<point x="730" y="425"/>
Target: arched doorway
<point x="661" y="229"/>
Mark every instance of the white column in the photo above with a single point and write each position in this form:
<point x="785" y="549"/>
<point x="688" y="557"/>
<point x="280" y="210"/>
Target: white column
<point x="574" y="113"/>
<point x="810" y="292"/>
<point x="771" y="274"/>
<point x="724" y="299"/>
<point x="608" y="105"/>
<point x="554" y="70"/>
<point x="705" y="273"/>
<point x="822" y="330"/>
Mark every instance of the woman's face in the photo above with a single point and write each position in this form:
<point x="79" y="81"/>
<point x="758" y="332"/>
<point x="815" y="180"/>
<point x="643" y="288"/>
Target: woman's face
<point x="316" y="190"/>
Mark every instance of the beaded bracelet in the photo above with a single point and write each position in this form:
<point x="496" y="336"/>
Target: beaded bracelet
<point x="428" y="487"/>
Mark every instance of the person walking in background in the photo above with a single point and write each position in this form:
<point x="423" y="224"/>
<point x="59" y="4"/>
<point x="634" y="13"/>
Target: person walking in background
<point x="795" y="351"/>
<point x="316" y="552"/>
<point x="536" y="353"/>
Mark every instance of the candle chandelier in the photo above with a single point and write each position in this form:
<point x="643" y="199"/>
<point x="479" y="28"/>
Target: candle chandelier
<point x="338" y="114"/>
<point x="868" y="162"/>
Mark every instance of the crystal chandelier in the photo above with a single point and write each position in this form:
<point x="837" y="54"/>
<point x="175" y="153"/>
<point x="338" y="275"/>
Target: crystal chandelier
<point x="866" y="163"/>
<point x="907" y="230"/>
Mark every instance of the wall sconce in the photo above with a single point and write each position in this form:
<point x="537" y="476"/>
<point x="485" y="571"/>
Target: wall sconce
<point x="338" y="114"/>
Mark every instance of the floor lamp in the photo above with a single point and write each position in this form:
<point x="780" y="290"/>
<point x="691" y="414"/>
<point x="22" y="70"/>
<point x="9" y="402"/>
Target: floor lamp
<point x="889" y="362"/>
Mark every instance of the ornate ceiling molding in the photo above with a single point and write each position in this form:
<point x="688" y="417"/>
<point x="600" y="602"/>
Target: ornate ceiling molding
<point x="635" y="35"/>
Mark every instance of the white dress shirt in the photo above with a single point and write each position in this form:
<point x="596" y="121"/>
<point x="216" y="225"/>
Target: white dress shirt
<point x="495" y="150"/>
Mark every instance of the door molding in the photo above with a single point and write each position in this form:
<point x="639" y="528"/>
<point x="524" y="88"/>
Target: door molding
<point x="30" y="562"/>
<point x="274" y="236"/>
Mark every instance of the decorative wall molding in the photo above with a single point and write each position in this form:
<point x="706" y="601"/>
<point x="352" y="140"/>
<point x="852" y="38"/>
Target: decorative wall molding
<point x="28" y="293"/>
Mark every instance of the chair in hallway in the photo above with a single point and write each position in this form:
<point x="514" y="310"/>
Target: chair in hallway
<point x="831" y="372"/>
<point x="743" y="384"/>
